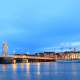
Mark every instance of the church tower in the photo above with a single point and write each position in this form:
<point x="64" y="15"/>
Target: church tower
<point x="74" y="50"/>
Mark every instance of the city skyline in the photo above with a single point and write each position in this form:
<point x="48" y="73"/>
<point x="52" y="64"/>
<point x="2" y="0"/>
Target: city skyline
<point x="38" y="26"/>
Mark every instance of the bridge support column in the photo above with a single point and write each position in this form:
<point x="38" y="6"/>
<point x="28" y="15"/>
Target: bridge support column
<point x="26" y="60"/>
<point x="14" y="61"/>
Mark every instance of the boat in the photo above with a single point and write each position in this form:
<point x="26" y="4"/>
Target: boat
<point x="67" y="60"/>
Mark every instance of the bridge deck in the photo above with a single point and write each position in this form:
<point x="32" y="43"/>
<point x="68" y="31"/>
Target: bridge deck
<point x="25" y="57"/>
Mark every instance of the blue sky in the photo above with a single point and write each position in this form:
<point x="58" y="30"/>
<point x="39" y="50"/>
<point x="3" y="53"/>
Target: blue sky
<point x="39" y="25"/>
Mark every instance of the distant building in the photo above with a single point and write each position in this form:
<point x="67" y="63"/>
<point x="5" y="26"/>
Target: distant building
<point x="49" y="54"/>
<point x="57" y="55"/>
<point x="65" y="55"/>
<point x="45" y="54"/>
<point x="39" y="54"/>
<point x="75" y="54"/>
<point x="16" y="54"/>
<point x="29" y="55"/>
<point x="70" y="55"/>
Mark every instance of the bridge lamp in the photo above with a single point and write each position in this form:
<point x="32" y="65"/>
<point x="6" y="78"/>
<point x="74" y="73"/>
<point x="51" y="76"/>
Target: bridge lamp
<point x="22" y="52"/>
<point x="13" y="51"/>
<point x="27" y="53"/>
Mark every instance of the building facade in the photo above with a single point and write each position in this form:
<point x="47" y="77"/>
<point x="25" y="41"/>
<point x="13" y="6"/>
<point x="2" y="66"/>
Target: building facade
<point x="39" y="54"/>
<point x="45" y="54"/>
<point x="65" y="55"/>
<point x="57" y="56"/>
<point x="75" y="54"/>
<point x="70" y="55"/>
<point x="49" y="54"/>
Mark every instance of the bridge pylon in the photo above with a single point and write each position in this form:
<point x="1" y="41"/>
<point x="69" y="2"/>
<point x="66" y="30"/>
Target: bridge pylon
<point x="4" y="48"/>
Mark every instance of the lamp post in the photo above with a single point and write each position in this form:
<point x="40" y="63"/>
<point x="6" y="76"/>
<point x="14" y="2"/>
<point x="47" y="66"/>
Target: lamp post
<point x="13" y="52"/>
<point x="22" y="52"/>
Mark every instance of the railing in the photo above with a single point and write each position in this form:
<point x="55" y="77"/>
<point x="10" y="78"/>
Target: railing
<point x="21" y="56"/>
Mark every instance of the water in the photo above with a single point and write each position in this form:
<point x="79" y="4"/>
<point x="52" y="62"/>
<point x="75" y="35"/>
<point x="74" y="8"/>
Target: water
<point x="40" y="71"/>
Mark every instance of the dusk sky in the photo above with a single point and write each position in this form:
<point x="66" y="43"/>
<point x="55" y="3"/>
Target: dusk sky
<point x="39" y="25"/>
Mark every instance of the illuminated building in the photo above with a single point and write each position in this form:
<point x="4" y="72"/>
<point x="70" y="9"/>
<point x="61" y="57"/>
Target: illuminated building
<point x="57" y="56"/>
<point x="65" y="55"/>
<point x="49" y="54"/>
<point x="45" y="54"/>
<point x="75" y="54"/>
<point x="70" y="55"/>
<point x="39" y="54"/>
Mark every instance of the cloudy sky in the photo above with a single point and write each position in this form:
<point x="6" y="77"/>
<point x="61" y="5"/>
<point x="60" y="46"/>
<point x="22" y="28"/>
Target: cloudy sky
<point x="39" y="25"/>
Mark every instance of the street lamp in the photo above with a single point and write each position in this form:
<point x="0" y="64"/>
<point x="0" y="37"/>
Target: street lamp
<point x="27" y="53"/>
<point x="22" y="52"/>
<point x="13" y="52"/>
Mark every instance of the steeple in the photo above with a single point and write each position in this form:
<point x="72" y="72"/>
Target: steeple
<point x="74" y="50"/>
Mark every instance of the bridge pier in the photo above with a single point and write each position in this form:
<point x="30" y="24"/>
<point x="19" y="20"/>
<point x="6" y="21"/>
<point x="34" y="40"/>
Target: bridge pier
<point x="14" y="61"/>
<point x="26" y="60"/>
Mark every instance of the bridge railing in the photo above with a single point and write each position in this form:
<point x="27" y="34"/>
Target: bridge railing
<point x="21" y="56"/>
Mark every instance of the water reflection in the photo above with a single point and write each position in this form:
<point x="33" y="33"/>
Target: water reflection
<point x="46" y="65"/>
<point x="4" y="66"/>
<point x="40" y="71"/>
<point x="55" y="66"/>
<point x="38" y="68"/>
<point x="28" y="67"/>
<point x="46" y="73"/>
<point x="22" y="66"/>
<point x="14" y="67"/>
<point x="73" y="66"/>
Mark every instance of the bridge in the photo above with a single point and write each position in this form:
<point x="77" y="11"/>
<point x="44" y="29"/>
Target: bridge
<point x="26" y="59"/>
<point x="4" y="58"/>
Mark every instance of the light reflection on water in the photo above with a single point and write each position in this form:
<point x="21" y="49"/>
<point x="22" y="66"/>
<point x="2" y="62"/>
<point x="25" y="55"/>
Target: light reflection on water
<point x="27" y="67"/>
<point x="14" y="66"/>
<point x="38" y="68"/>
<point x="40" y="71"/>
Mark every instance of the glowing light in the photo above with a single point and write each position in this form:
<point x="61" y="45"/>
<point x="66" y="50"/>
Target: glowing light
<point x="38" y="73"/>
<point x="38" y="67"/>
<point x="4" y="67"/>
<point x="14" y="51"/>
<point x="28" y="66"/>
<point x="22" y="66"/>
<point x="14" y="66"/>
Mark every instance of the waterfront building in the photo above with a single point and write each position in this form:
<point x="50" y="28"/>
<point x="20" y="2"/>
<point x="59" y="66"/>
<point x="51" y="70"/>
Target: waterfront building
<point x="57" y="56"/>
<point x="75" y="54"/>
<point x="17" y="54"/>
<point x="70" y="55"/>
<point x="45" y="54"/>
<point x="65" y="55"/>
<point x="30" y="55"/>
<point x="49" y="54"/>
<point x="39" y="54"/>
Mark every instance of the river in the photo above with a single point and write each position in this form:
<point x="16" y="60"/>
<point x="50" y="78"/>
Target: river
<point x="40" y="71"/>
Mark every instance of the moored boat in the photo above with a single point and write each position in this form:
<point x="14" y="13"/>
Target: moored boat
<point x="67" y="60"/>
